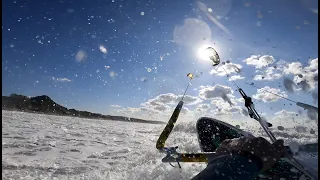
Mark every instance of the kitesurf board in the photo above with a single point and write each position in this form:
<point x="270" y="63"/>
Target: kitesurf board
<point x="212" y="132"/>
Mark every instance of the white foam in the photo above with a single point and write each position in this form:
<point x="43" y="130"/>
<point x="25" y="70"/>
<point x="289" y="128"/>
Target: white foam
<point x="39" y="146"/>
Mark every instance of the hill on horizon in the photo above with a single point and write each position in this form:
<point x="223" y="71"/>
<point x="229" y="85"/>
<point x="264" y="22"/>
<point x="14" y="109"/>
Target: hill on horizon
<point x="44" y="104"/>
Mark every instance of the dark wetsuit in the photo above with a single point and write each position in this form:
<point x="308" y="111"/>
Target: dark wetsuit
<point x="228" y="167"/>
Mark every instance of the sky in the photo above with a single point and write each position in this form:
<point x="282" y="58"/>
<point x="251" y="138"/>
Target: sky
<point x="131" y="58"/>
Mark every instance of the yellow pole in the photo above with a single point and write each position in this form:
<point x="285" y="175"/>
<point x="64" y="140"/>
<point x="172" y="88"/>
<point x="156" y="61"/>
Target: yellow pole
<point x="167" y="130"/>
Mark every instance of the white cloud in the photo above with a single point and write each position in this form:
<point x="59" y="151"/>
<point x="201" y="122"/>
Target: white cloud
<point x="185" y="110"/>
<point x="240" y="100"/>
<point x="234" y="110"/>
<point x="270" y="74"/>
<point x="289" y="119"/>
<point x="171" y="99"/>
<point x="210" y="92"/>
<point x="218" y="93"/>
<point x="313" y="65"/>
<point x="284" y="114"/>
<point x="189" y="100"/>
<point x="141" y="112"/>
<point x="259" y="61"/>
<point x="155" y="106"/>
<point x="220" y="103"/>
<point x="132" y="110"/>
<point x="115" y="106"/>
<point x="293" y="68"/>
<point x="263" y="95"/>
<point x="168" y="98"/>
<point x="61" y="79"/>
<point x="203" y="107"/>
<point x="228" y="67"/>
<point x="162" y="106"/>
<point x="235" y="77"/>
<point x="159" y="108"/>
<point x="305" y="77"/>
<point x="280" y="65"/>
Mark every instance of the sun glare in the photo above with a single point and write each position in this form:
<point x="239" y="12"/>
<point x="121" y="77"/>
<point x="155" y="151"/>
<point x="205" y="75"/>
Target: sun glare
<point x="208" y="54"/>
<point x="203" y="53"/>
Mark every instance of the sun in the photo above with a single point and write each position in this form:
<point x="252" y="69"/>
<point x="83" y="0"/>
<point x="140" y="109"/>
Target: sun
<point x="208" y="54"/>
<point x="203" y="53"/>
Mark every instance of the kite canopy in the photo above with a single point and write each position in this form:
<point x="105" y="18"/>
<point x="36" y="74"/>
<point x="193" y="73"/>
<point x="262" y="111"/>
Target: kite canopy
<point x="213" y="55"/>
<point x="190" y="75"/>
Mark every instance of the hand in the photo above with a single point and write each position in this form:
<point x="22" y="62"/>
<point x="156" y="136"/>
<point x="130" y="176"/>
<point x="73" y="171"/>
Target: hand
<point x="259" y="147"/>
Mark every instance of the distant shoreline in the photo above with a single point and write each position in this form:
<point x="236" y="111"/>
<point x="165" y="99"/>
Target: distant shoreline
<point x="45" y="105"/>
<point x="53" y="114"/>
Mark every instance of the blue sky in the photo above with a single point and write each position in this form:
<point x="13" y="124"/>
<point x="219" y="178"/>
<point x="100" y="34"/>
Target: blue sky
<point x="52" y="48"/>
